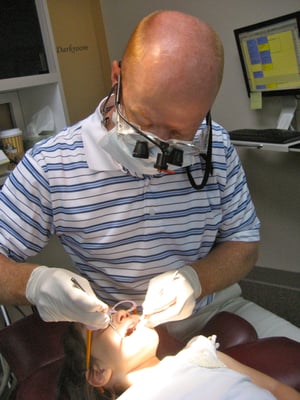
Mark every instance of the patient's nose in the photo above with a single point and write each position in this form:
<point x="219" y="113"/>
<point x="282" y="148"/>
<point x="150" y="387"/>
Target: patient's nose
<point x="122" y="315"/>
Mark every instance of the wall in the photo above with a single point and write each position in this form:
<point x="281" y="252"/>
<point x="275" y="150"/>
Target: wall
<point x="273" y="177"/>
<point x="82" y="54"/>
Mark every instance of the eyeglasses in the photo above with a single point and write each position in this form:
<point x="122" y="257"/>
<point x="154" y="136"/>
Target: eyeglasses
<point x="195" y="147"/>
<point x="126" y="127"/>
<point x="171" y="150"/>
<point x="126" y="305"/>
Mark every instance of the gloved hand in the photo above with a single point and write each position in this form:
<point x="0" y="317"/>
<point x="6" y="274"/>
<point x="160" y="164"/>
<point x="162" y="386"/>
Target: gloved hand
<point x="171" y="296"/>
<point x="58" y="299"/>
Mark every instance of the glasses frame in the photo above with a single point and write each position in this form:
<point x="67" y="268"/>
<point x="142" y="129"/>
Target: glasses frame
<point x="112" y="310"/>
<point x="163" y="145"/>
<point x="151" y="137"/>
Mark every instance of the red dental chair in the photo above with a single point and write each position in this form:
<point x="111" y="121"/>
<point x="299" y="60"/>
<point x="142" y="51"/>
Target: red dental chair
<point x="31" y="353"/>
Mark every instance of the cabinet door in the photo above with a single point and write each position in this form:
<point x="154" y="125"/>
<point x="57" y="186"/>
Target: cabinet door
<point x="22" y="50"/>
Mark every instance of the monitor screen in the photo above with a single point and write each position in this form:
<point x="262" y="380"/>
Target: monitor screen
<point x="270" y="55"/>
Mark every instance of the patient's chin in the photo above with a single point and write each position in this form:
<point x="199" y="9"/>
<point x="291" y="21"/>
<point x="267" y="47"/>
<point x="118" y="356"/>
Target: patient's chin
<point x="139" y="347"/>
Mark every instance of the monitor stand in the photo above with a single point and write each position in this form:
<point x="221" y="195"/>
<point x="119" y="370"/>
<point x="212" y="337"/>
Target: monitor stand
<point x="289" y="105"/>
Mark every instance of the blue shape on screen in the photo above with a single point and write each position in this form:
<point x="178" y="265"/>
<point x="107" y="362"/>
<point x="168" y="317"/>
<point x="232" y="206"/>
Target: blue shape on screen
<point x="253" y="51"/>
<point x="258" y="74"/>
<point x="266" y="57"/>
<point x="262" y="40"/>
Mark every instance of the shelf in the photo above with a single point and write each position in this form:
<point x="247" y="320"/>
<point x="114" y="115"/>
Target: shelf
<point x="267" y="146"/>
<point x="28" y="81"/>
<point x="295" y="148"/>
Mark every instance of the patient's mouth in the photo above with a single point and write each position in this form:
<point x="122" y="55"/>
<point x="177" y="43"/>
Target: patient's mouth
<point x="130" y="328"/>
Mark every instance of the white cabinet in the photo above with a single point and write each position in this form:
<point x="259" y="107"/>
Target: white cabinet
<point x="27" y="95"/>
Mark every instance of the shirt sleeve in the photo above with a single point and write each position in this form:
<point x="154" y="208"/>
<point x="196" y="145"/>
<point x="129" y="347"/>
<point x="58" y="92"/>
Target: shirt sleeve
<point x="25" y="211"/>
<point x="239" y="219"/>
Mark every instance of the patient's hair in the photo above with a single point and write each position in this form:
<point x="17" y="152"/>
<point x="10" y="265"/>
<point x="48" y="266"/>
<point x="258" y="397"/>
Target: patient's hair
<point x="72" y="384"/>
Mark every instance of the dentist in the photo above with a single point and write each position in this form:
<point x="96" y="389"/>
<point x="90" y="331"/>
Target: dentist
<point x="147" y="196"/>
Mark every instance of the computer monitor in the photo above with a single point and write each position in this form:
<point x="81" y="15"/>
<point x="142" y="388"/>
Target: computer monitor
<point x="270" y="57"/>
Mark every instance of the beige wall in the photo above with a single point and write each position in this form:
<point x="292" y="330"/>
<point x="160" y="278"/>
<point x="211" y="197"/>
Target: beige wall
<point x="82" y="54"/>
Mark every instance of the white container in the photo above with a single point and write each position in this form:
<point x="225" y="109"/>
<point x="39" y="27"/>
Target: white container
<point x="12" y="144"/>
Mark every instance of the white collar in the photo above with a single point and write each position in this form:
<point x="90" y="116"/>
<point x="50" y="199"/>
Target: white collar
<point x="93" y="131"/>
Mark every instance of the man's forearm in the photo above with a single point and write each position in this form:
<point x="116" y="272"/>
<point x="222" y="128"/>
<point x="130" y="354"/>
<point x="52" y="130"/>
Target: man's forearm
<point x="13" y="280"/>
<point x="226" y="264"/>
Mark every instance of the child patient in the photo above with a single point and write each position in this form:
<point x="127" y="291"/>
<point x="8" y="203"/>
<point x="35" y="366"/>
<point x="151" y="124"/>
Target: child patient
<point x="123" y="364"/>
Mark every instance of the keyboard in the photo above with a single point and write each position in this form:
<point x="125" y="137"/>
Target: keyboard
<point x="278" y="136"/>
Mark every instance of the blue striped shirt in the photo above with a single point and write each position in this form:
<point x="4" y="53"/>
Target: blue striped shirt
<point x="120" y="229"/>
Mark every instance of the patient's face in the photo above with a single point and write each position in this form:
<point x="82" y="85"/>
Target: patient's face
<point x="123" y="355"/>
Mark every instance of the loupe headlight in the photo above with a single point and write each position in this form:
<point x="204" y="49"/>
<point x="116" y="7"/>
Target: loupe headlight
<point x="172" y="151"/>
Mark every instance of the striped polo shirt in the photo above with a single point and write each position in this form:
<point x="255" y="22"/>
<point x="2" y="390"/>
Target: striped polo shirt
<point x="121" y="230"/>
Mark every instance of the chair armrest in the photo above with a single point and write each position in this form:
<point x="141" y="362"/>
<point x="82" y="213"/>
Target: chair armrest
<point x="42" y="384"/>
<point x="231" y="330"/>
<point x="278" y="357"/>
<point x="30" y="343"/>
<point x="168" y="345"/>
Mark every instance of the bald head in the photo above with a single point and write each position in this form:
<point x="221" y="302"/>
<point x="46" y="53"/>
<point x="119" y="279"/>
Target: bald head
<point x="176" y="54"/>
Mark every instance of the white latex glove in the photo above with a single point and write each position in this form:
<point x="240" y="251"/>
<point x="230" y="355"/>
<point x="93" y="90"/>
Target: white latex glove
<point x="58" y="299"/>
<point x="171" y="296"/>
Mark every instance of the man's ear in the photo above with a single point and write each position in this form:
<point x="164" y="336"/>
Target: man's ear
<point x="98" y="377"/>
<point x="115" y="72"/>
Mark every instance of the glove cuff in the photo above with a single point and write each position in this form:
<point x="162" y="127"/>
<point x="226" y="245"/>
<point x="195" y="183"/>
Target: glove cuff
<point x="191" y="276"/>
<point x="30" y="292"/>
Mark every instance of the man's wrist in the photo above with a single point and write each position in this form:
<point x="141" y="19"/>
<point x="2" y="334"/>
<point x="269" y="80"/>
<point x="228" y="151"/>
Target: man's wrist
<point x="190" y="274"/>
<point x="31" y="286"/>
